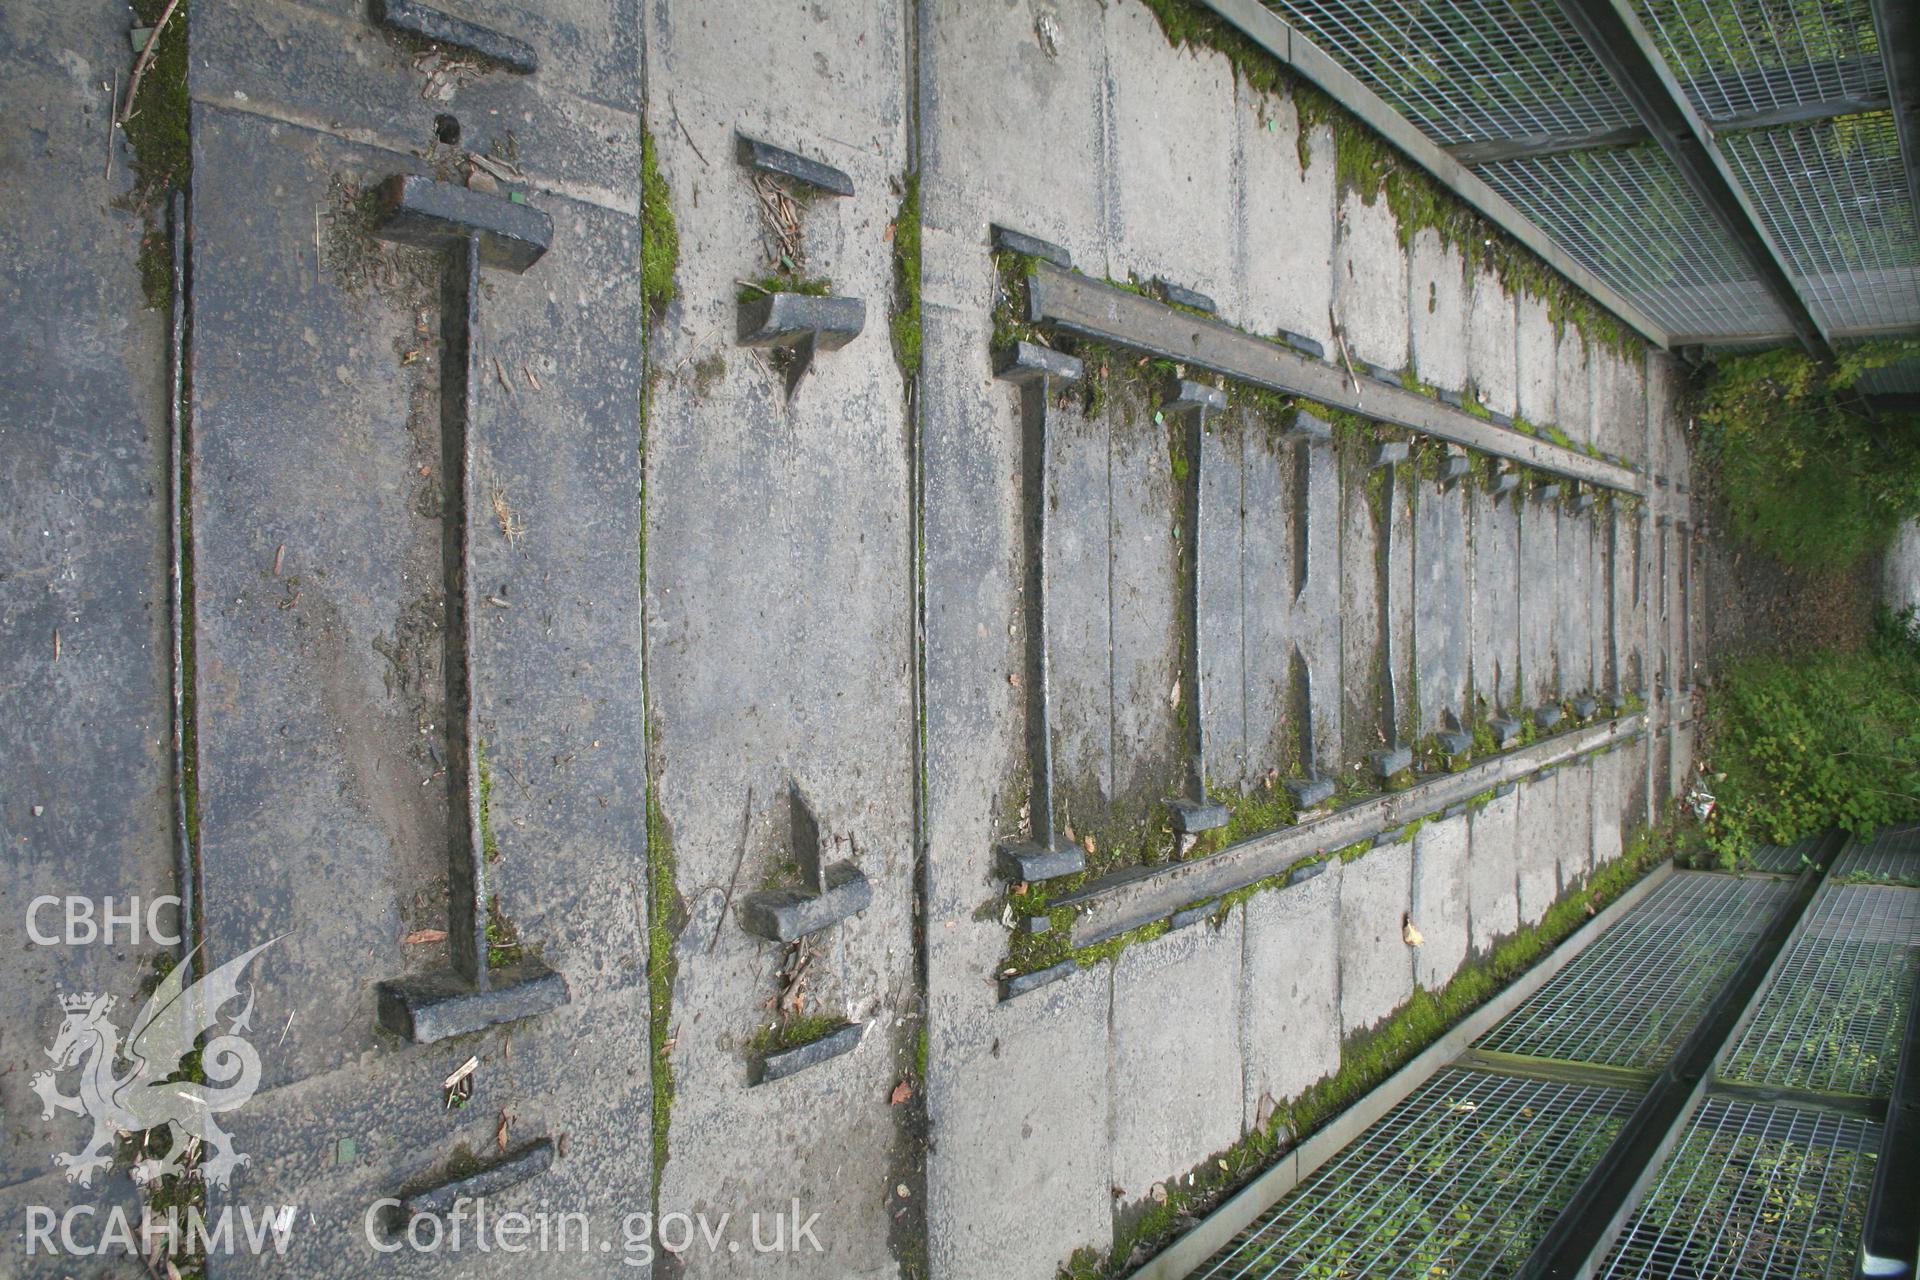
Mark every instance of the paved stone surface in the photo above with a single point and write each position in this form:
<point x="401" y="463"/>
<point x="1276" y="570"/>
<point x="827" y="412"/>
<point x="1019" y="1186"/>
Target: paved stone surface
<point x="1188" y="1065"/>
<point x="84" y="635"/>
<point x="1573" y="818"/>
<point x="1609" y="806"/>
<point x="1292" y="990"/>
<point x="1493" y="872"/>
<point x="1369" y="282"/>
<point x="1442" y="605"/>
<point x="1536" y="840"/>
<point x="1490" y="343"/>
<point x="1495" y="580"/>
<point x="1441" y="902"/>
<point x="791" y="585"/>
<point x="1376" y="965"/>
<point x="1437" y="312"/>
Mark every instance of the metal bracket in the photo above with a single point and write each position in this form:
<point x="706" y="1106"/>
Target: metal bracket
<point x="428" y="23"/>
<point x="781" y="163"/>
<point x="802" y="323"/>
<point x="475" y="230"/>
<point x="1044" y="853"/>
<point x="827" y="895"/>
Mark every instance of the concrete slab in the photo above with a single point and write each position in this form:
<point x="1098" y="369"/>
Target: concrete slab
<point x="1291" y="996"/>
<point x="1490" y="343"/>
<point x="1176" y="1076"/>
<point x="1609" y="803"/>
<point x="1020" y="1101"/>
<point x="1573" y="397"/>
<point x="1535" y="347"/>
<point x="1573" y="597"/>
<point x="1442" y="900"/>
<point x="1537" y="834"/>
<point x="1573" y="844"/>
<point x="985" y="75"/>
<point x="1493" y="872"/>
<point x="1175" y="211"/>
<point x="1442" y="605"/>
<point x="1495" y="611"/>
<point x="1376" y="965"/>
<point x="1149" y="754"/>
<point x="1080" y="616"/>
<point x="1401" y="657"/>
<point x="1539" y="547"/>
<point x="1438" y="305"/>
<point x="1287" y="219"/>
<point x="1362" y="727"/>
<point x="1370" y="282"/>
<point x="85" y="638"/>
<point x="1221" y="563"/>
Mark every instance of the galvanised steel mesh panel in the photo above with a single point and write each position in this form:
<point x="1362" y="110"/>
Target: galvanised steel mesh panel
<point x="1834" y="196"/>
<point x="1467" y="70"/>
<point x="1627" y="215"/>
<point x="1755" y="1192"/>
<point x="1830" y="1018"/>
<point x="1630" y="998"/>
<point x="1461" y="1179"/>
<point x="1891" y="856"/>
<point x="1790" y="858"/>
<point x="1899" y="378"/>
<point x="1736" y="57"/>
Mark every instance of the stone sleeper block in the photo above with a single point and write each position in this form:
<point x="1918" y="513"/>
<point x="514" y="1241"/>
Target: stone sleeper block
<point x="1180" y="295"/>
<point x="1021" y="983"/>
<point x="1303" y="344"/>
<point x="1454" y="741"/>
<point x="782" y="163"/>
<point x="1455" y="467"/>
<point x="1034" y="924"/>
<point x="1390" y="760"/>
<point x="785" y="317"/>
<point x="1499" y="419"/>
<point x="1301" y="874"/>
<point x="1454" y="398"/>
<point x="1547" y="492"/>
<point x="439" y="1199"/>
<point x="1191" y="915"/>
<point x="1310" y="792"/>
<point x="1506" y="732"/>
<point x="1386" y="455"/>
<point x="1504" y="790"/>
<point x="1025" y="361"/>
<point x="1191" y="817"/>
<point x="1029" y="862"/>
<point x="1031" y="246"/>
<point x="1547" y="715"/>
<point x="1585" y="707"/>
<point x="781" y="915"/>
<point x="1505" y="482"/>
<point x="443" y="28"/>
<point x="1309" y="428"/>
<point x="1387" y="376"/>
<point x="434" y="1006"/>
<point x="1183" y="394"/>
<point x="785" y="1062"/>
<point x="418" y="211"/>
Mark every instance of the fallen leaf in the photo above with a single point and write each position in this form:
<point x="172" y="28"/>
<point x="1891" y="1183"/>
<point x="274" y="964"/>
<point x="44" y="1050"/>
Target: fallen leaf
<point x="419" y="936"/>
<point x="1159" y="1193"/>
<point x="1410" y="932"/>
<point x="901" y="1092"/>
<point x="500" y="1134"/>
<point x="1088" y="842"/>
<point x="1173" y="699"/>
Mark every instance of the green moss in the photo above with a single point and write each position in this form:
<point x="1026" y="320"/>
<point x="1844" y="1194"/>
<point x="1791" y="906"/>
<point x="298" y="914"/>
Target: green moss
<point x="488" y="840"/>
<point x="707" y="373"/>
<point x="659" y="233"/>
<point x="1010" y="324"/>
<point x="156" y="134"/>
<point x="906" y="280"/>
<point x="783" y="282"/>
<point x="503" y="940"/>
<point x="666" y="914"/>
<point x="793" y="1032"/>
<point x="1558" y="436"/>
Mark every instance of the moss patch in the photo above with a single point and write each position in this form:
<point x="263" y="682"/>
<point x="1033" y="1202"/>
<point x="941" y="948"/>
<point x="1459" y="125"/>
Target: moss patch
<point x="906" y="279"/>
<point x="659" y="233"/>
<point x="793" y="1032"/>
<point x="156" y="134"/>
<point x="666" y="916"/>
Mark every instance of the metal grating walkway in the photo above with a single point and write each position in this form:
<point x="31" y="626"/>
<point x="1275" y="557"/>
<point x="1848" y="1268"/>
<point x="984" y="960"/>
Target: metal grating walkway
<point x="1459" y="1180"/>
<point x="1631" y="997"/>
<point x="1787" y="858"/>
<point x="1830" y="1020"/>
<point x="1892" y="856"/>
<point x="1469" y="1174"/>
<point x="1754" y="1192"/>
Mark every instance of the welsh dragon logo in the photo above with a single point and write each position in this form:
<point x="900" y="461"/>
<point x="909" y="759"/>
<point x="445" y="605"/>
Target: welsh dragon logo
<point x="146" y="1096"/>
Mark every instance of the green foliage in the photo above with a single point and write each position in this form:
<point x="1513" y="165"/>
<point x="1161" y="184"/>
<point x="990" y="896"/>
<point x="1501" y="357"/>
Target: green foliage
<point x="156" y="133"/>
<point x="659" y="234"/>
<point x="792" y="1032"/>
<point x="1805" y="475"/>
<point x="665" y="915"/>
<point x="1804" y="743"/>
<point x="906" y="279"/>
